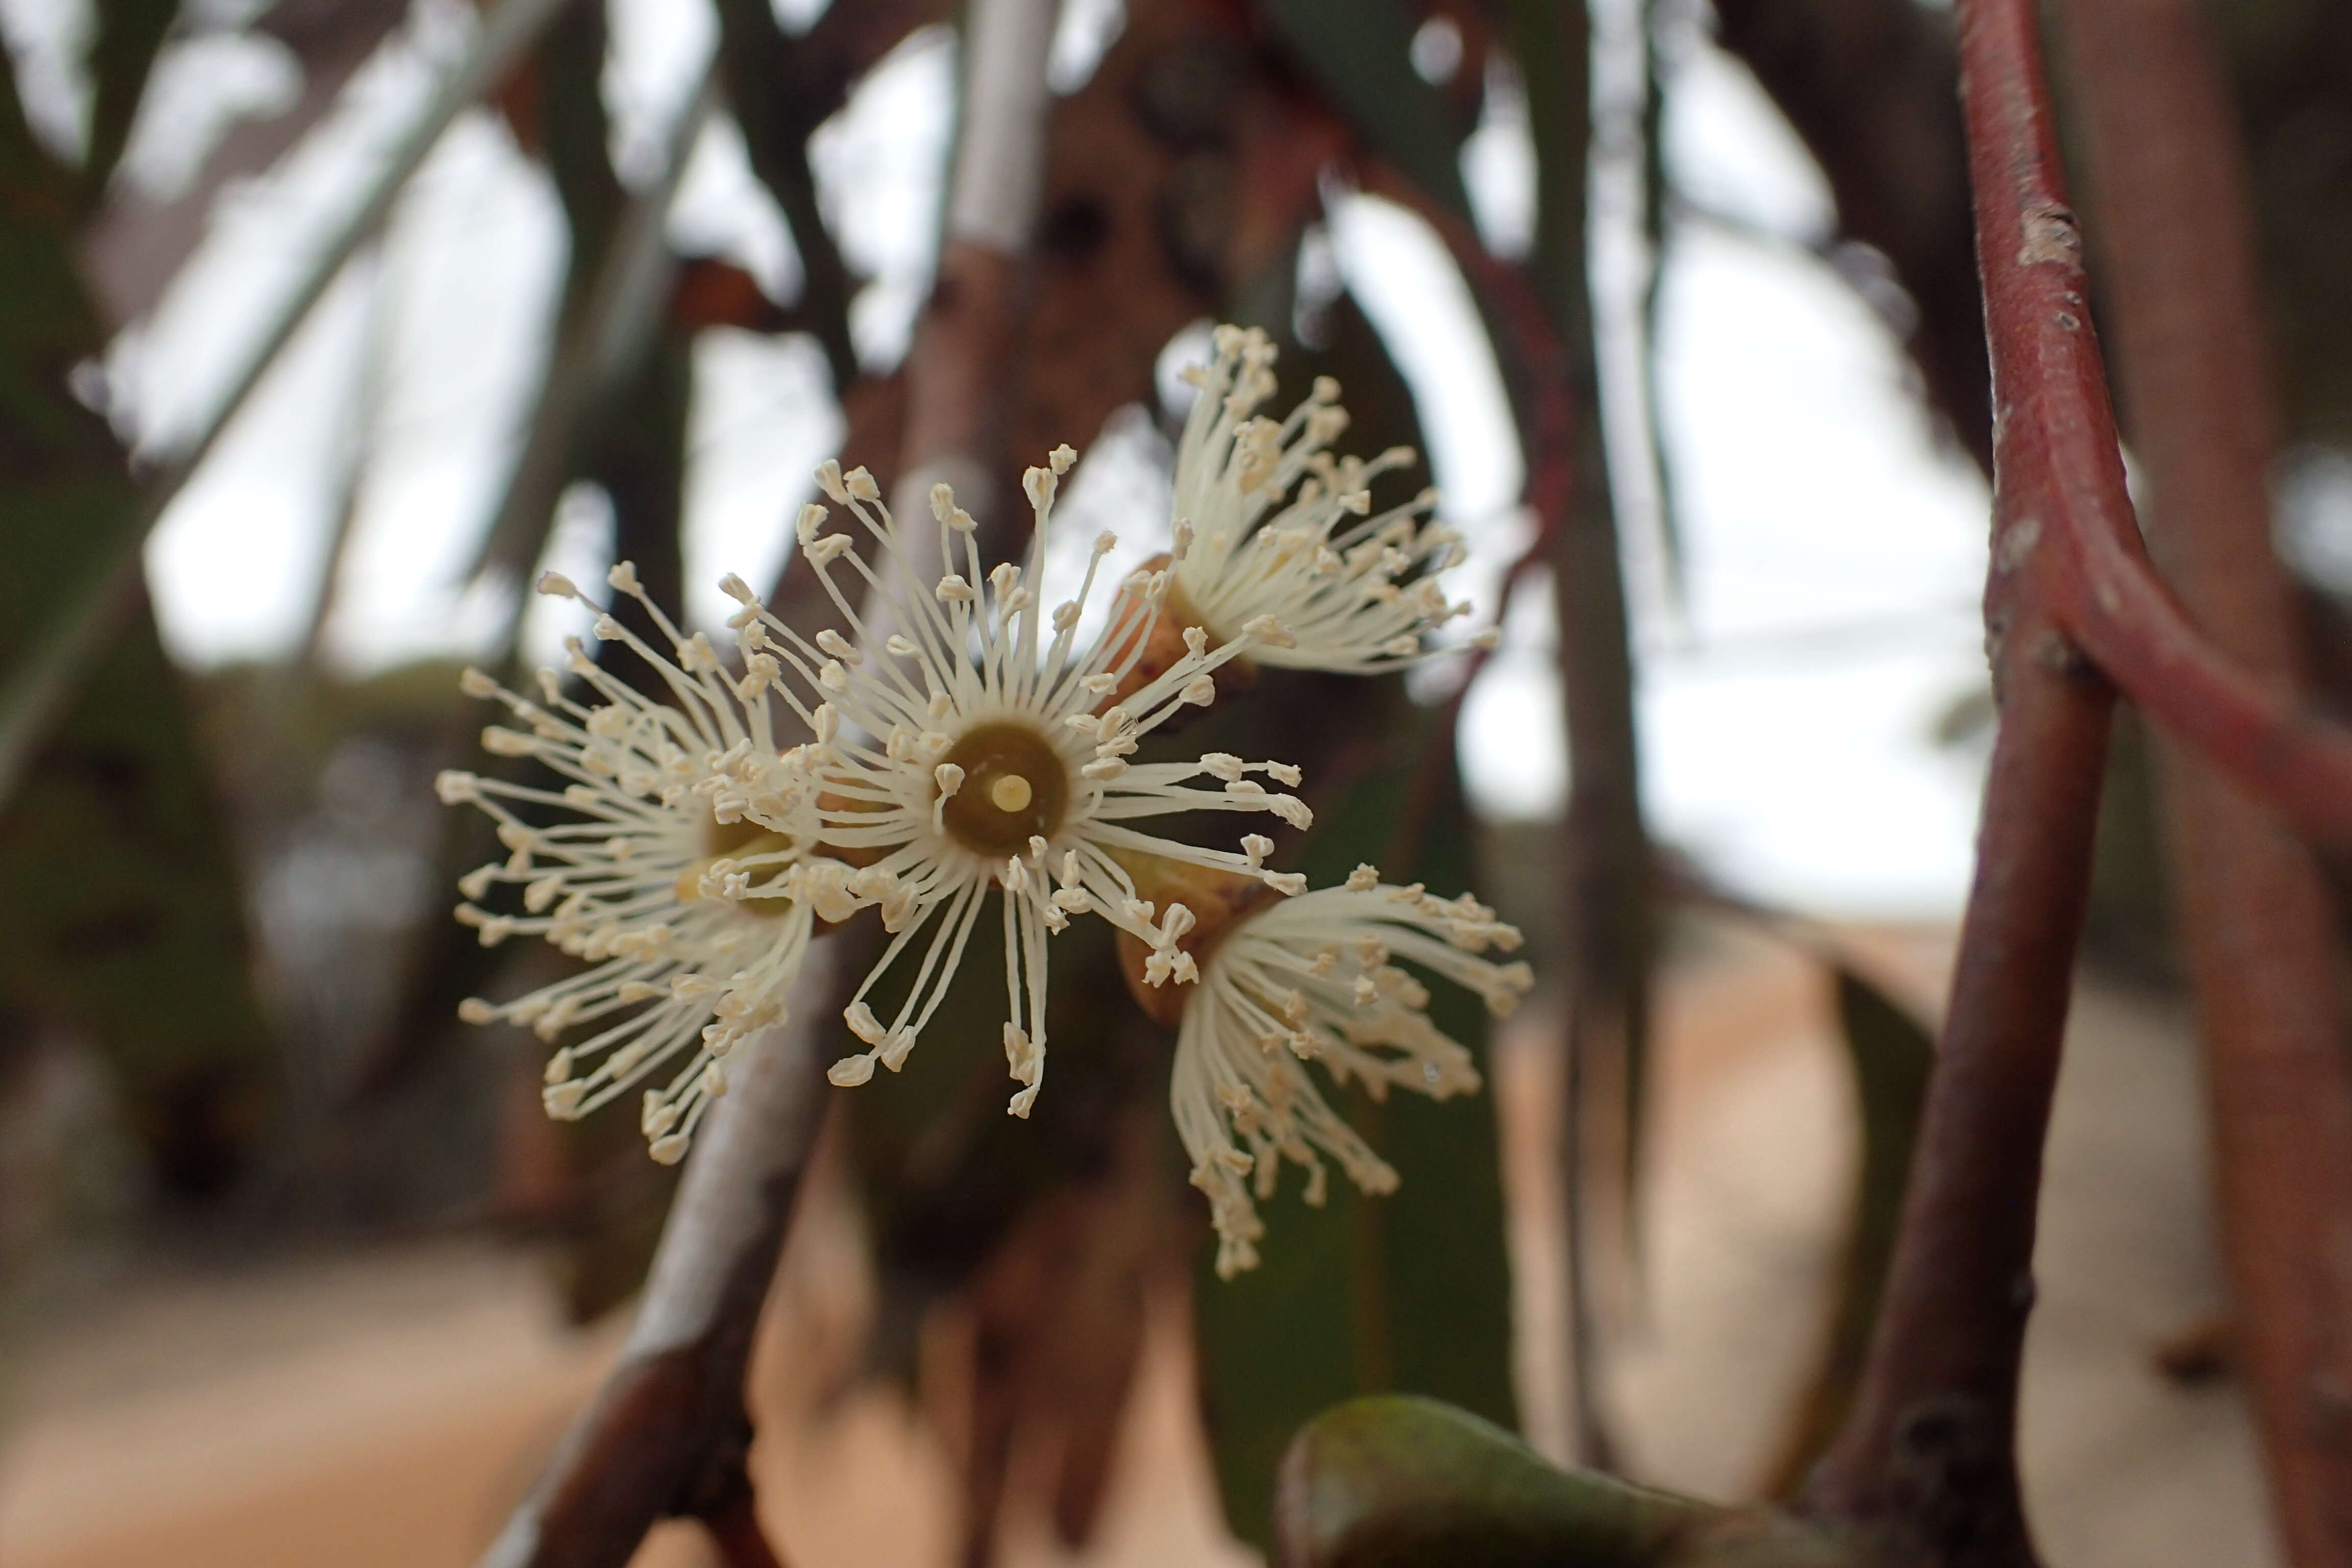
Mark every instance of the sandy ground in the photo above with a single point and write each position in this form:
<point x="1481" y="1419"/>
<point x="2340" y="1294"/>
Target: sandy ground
<point x="384" y="1410"/>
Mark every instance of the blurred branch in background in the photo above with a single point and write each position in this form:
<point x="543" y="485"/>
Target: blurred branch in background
<point x="967" y="341"/>
<point x="780" y="90"/>
<point x="2175" y="252"/>
<point x="1605" y="865"/>
<point x="617" y="291"/>
<point x="83" y="605"/>
<point x="134" y="244"/>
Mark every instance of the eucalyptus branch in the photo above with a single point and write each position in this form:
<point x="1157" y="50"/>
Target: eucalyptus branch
<point x="667" y="1432"/>
<point x="2181" y="280"/>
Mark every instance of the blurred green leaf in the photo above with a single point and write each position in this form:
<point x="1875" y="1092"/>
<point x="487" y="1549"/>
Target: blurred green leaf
<point x="1891" y="1053"/>
<point x="1409" y="1291"/>
<point x="69" y="511"/>
<point x="1395" y="1482"/>
<point x="1411" y="1483"/>
<point x="1360" y="52"/>
<point x="120" y="911"/>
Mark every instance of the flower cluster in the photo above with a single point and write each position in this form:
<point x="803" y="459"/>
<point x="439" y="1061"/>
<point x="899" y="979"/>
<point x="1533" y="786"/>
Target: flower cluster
<point x="954" y="740"/>
<point x="1269" y="522"/>
<point x="1316" y="979"/>
<point x="675" y="862"/>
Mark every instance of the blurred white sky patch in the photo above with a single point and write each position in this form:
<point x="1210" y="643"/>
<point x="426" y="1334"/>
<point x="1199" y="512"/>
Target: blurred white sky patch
<point x="881" y="176"/>
<point x="1812" y="489"/>
<point x="236" y="562"/>
<point x="580" y="546"/>
<point x="763" y="418"/>
<point x="1083" y="34"/>
<point x="479" y="258"/>
<point x="198" y="88"/>
<point x="2314" y="492"/>
<point x="799" y="16"/>
<point x="1195" y="344"/>
<point x="1730" y="152"/>
<point x="1498" y="163"/>
<point x="468" y="276"/>
<point x="47" y="41"/>
<point x="1833" y="553"/>
<point x="1814" y="783"/>
<point x="261" y="236"/>
<point x="1398" y="271"/>
<point x="658" y="54"/>
<point x="1514" y="742"/>
<point x="721" y="209"/>
<point x="1123" y="486"/>
<point x="1397" y="268"/>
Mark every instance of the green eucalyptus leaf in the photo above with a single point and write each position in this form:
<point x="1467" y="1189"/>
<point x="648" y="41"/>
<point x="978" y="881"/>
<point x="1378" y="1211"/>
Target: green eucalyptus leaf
<point x="1890" y="1052"/>
<point x="119" y="915"/>
<point x="1397" y="1482"/>
<point x="1411" y="1483"/>
<point x="119" y="910"/>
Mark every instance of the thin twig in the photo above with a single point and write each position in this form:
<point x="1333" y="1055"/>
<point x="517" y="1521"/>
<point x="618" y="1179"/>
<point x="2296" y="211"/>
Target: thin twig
<point x="2182" y="284"/>
<point x="1541" y="322"/>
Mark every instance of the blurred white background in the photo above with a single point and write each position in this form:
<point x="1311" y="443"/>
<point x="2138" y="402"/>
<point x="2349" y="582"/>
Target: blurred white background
<point x="1797" y="642"/>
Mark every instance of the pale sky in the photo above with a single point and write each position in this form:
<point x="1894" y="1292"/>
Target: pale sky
<point x="1832" y="553"/>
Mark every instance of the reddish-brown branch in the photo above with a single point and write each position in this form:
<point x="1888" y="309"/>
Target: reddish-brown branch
<point x="2178" y="266"/>
<point x="734" y="1526"/>
<point x="1927" y="1455"/>
<point x="667" y="1433"/>
<point x="1829" y="63"/>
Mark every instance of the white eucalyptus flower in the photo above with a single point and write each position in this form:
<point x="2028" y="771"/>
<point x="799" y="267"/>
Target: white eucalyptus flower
<point x="967" y="742"/>
<point x="1321" y="978"/>
<point x="672" y="861"/>
<point x="1269" y="525"/>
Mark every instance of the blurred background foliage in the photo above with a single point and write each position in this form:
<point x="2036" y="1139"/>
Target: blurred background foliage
<point x="226" y="889"/>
